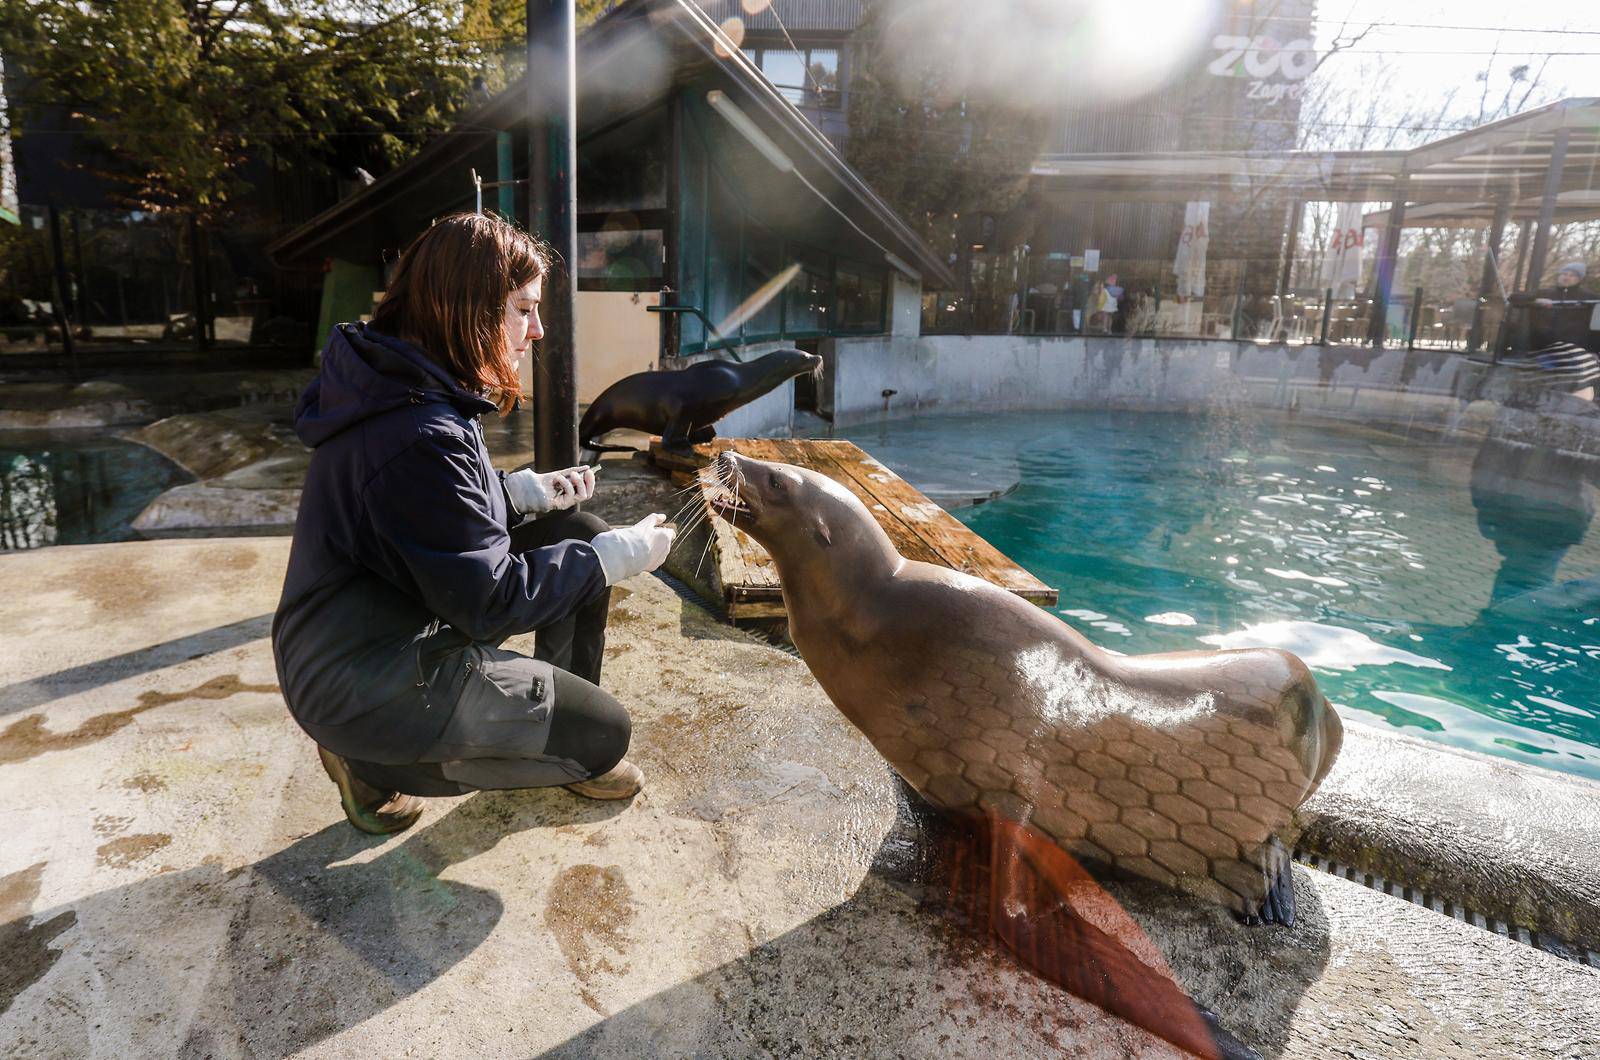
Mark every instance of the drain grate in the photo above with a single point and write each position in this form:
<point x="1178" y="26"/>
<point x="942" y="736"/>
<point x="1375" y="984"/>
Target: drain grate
<point x="1539" y="940"/>
<point x="1542" y="941"/>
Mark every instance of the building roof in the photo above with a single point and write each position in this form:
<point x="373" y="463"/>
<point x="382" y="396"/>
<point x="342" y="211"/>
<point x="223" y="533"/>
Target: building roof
<point x="629" y="61"/>
<point x="798" y="16"/>
<point x="1456" y="180"/>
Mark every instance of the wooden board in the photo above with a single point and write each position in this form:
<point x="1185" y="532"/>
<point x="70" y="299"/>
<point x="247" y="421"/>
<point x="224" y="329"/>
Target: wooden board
<point x="919" y="528"/>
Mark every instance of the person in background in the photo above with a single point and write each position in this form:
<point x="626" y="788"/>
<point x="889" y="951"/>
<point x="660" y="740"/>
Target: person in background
<point x="1100" y="306"/>
<point x="1562" y="341"/>
<point x="413" y="558"/>
<point x="1116" y="307"/>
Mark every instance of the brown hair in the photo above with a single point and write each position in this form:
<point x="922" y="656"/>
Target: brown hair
<point x="448" y="296"/>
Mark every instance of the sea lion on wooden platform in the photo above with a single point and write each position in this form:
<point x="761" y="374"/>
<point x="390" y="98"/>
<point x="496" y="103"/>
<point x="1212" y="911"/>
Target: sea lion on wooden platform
<point x="1181" y="767"/>
<point x="681" y="406"/>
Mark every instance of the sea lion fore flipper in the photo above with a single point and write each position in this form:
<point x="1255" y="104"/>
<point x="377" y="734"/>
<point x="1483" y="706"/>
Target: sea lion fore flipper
<point x="1031" y="910"/>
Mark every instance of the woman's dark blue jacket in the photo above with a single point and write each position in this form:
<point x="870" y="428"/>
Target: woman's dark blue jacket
<point x="401" y="545"/>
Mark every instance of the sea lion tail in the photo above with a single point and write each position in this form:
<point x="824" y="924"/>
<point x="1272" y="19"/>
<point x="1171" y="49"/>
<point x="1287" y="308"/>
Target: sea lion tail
<point x="1032" y="883"/>
<point x="591" y="451"/>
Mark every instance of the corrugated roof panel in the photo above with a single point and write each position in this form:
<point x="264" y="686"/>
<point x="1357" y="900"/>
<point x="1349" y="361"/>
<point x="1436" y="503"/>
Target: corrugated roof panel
<point x="798" y="16"/>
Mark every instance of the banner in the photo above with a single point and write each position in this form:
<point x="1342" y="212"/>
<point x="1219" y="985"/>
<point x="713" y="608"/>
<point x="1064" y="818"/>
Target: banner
<point x="1190" y="263"/>
<point x="1341" y="261"/>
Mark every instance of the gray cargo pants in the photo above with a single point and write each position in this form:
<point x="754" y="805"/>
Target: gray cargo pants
<point x="519" y="722"/>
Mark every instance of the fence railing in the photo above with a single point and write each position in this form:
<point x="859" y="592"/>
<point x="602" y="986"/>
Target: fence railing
<point x="1412" y="320"/>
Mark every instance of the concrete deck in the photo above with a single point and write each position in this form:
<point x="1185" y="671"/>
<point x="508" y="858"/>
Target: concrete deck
<point x="177" y="879"/>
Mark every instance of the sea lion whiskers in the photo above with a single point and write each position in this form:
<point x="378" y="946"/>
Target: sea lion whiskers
<point x="685" y="528"/>
<point x="702" y="513"/>
<point x="723" y="486"/>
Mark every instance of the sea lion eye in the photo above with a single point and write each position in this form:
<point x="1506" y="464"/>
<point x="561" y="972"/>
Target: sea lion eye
<point x="774" y="480"/>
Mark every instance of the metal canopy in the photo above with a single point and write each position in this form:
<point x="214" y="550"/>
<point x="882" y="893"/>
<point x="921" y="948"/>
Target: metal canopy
<point x="1459" y="179"/>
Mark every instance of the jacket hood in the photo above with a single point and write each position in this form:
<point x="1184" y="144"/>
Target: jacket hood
<point x="366" y="373"/>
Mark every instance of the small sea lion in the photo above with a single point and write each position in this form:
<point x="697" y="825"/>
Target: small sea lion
<point x="681" y="406"/>
<point x="1183" y="768"/>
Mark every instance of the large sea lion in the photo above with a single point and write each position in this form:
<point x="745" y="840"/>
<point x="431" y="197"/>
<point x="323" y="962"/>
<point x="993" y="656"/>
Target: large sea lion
<point x="682" y="406"/>
<point x="1182" y="768"/>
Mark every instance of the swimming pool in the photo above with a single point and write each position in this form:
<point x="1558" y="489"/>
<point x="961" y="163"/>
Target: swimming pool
<point x="76" y="487"/>
<point x="1447" y="587"/>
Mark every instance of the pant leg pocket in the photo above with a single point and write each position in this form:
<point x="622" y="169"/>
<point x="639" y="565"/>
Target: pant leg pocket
<point x="502" y="710"/>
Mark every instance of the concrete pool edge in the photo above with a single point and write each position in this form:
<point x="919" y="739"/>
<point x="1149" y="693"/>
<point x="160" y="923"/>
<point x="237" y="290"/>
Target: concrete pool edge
<point x="880" y="379"/>
<point x="1498" y="837"/>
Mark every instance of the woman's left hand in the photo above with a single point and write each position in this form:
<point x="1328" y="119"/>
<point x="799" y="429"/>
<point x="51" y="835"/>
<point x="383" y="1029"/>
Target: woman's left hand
<point x="535" y="493"/>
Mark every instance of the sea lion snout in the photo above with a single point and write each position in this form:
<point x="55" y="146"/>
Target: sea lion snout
<point x="796" y="361"/>
<point x="744" y="488"/>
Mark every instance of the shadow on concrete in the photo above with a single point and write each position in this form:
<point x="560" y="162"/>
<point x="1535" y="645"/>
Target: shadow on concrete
<point x="36" y="691"/>
<point x="891" y="971"/>
<point x="309" y="945"/>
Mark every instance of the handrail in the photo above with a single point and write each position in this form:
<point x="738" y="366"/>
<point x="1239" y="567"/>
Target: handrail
<point x="712" y="328"/>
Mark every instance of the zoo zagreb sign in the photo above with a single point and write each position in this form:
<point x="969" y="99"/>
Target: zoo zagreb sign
<point x="1276" y="71"/>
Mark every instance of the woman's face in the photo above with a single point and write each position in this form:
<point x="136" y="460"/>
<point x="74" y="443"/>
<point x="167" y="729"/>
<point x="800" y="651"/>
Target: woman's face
<point x="1567" y="278"/>
<point x="521" y="322"/>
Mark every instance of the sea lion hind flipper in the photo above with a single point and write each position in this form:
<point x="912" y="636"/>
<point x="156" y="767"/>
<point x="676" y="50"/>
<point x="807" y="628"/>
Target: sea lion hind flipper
<point x="1278" y="906"/>
<point x="1032" y="883"/>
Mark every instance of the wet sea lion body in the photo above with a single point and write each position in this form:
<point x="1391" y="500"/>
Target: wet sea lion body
<point x="1182" y="768"/>
<point x="681" y="406"/>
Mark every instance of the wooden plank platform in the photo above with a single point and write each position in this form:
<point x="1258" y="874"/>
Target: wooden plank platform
<point x="919" y="528"/>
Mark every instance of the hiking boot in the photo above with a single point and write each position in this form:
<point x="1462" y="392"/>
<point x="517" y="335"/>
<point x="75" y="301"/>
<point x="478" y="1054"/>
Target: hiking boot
<point x="622" y="781"/>
<point x="372" y="811"/>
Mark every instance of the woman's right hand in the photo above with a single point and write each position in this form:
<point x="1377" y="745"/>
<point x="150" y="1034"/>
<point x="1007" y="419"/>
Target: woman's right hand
<point x="535" y="493"/>
<point x="635" y="549"/>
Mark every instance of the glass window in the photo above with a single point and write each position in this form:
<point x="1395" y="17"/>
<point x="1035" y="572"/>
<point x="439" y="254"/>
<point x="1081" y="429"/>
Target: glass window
<point x="822" y="87"/>
<point x="786" y="70"/>
<point x="723" y="267"/>
<point x="859" y="292"/>
<point x="619" y="259"/>
<point x="810" y="295"/>
<point x="763" y="262"/>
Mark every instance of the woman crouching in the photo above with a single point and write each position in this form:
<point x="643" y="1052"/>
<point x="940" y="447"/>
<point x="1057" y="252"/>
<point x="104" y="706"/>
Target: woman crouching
<point x="413" y="558"/>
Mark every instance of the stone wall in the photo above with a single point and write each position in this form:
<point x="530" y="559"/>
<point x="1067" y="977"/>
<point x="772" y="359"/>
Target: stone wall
<point x="1423" y="389"/>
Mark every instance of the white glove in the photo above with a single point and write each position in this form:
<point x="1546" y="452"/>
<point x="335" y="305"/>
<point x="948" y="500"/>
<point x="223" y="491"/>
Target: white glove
<point x="633" y="549"/>
<point x="534" y="493"/>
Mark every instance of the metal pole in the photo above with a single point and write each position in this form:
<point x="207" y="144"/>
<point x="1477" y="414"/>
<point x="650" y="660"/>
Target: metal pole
<point x="505" y="176"/>
<point x="1291" y="247"/>
<point x="553" y="201"/>
<point x="1491" y="270"/>
<point x="1383" y="281"/>
<point x="63" y="292"/>
<point x="81" y="299"/>
<point x="1327" y="315"/>
<point x="1547" y="209"/>
<point x="1416" y="319"/>
<point x="671" y="233"/>
<point x="1522" y="256"/>
<point x="197" y="274"/>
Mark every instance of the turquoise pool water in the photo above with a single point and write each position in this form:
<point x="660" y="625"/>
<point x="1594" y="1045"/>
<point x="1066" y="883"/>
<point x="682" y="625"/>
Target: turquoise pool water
<point x="76" y="487"/>
<point x="1441" y="587"/>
